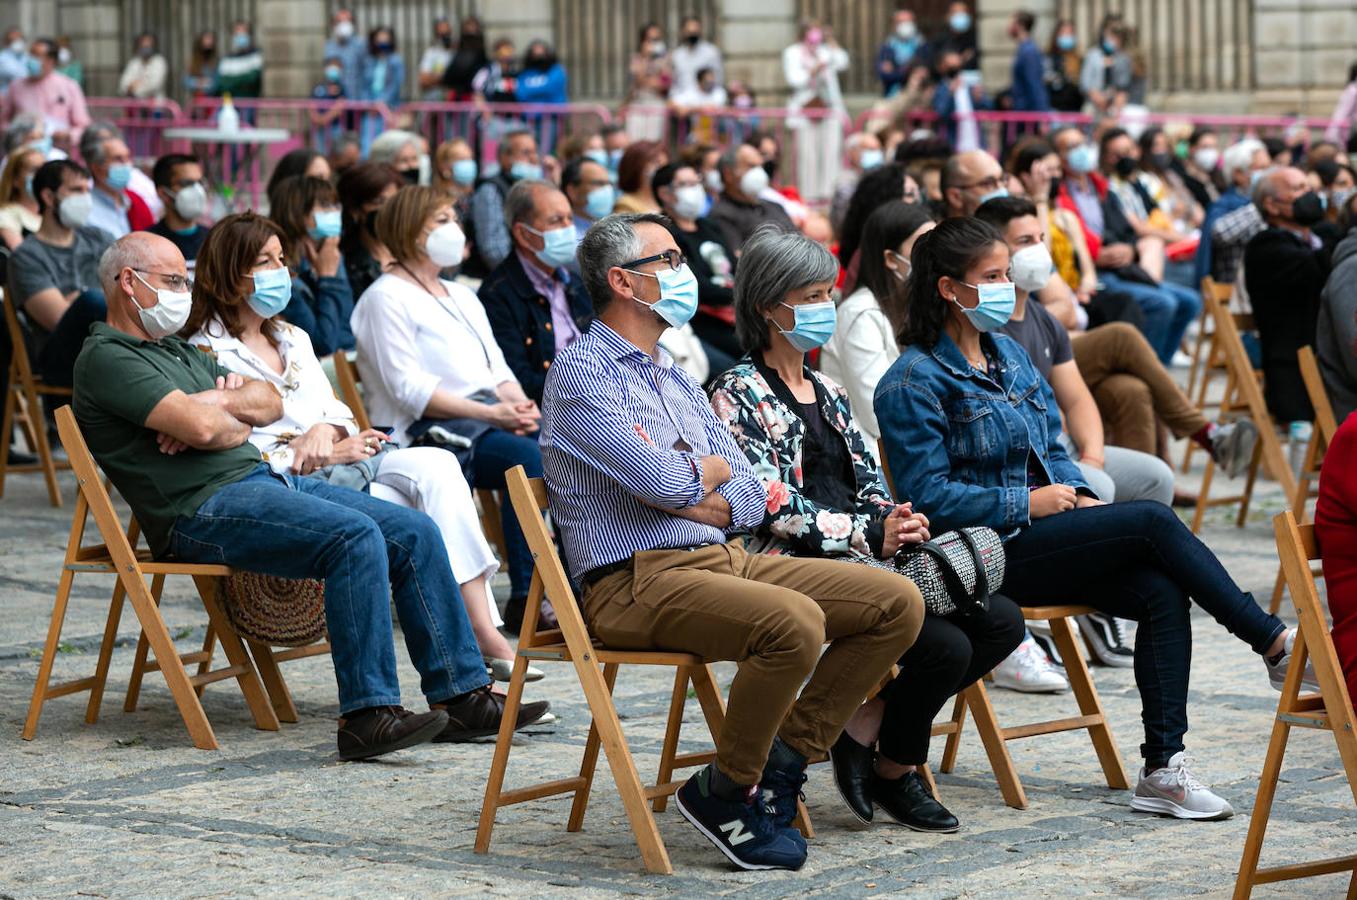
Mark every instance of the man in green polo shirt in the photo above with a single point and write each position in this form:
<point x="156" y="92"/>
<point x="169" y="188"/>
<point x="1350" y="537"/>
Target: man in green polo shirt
<point x="170" y="427"/>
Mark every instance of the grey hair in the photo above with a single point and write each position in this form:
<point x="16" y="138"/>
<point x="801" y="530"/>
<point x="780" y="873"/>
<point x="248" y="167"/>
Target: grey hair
<point x="131" y="251"/>
<point x="522" y="199"/>
<point x="1266" y="187"/>
<point x="18" y="130"/>
<point x="774" y="263"/>
<point x="729" y="158"/>
<point x="1239" y="155"/>
<point x="517" y="131"/>
<point x="389" y="144"/>
<point x="610" y="242"/>
<point x="93" y="138"/>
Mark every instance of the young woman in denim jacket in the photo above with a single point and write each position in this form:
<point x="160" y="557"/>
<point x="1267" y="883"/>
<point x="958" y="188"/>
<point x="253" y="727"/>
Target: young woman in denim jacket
<point x="972" y="435"/>
<point x="826" y="498"/>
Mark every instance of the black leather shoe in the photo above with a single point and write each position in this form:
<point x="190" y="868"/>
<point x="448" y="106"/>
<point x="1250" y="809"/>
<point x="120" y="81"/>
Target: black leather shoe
<point x="19" y="458"/>
<point x="909" y="802"/>
<point x="515" y="609"/>
<point x="477" y="714"/>
<point x="382" y="729"/>
<point x="852" y="775"/>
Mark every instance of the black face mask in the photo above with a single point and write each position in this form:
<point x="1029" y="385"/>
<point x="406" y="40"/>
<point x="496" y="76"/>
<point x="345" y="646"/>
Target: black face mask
<point x="771" y="168"/>
<point x="1161" y="161"/>
<point x="411" y="176"/>
<point x="445" y="40"/>
<point x="1307" y="209"/>
<point x="1126" y="167"/>
<point x="692" y="39"/>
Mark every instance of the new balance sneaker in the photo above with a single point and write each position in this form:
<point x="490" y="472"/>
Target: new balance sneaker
<point x="1106" y="639"/>
<point x="780" y="788"/>
<point x="1027" y="669"/>
<point x="1175" y="791"/>
<point x="1277" y="666"/>
<point x="741" y="829"/>
<point x="1232" y="446"/>
<point x="1040" y="631"/>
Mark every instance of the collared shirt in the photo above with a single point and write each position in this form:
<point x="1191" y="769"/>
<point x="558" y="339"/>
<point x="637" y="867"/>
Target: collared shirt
<point x="350" y="54"/>
<point x="624" y="433"/>
<point x="1230" y="234"/>
<point x="1089" y="204"/>
<point x="55" y="99"/>
<point x="553" y="288"/>
<point x="109" y="214"/>
<point x="308" y="398"/>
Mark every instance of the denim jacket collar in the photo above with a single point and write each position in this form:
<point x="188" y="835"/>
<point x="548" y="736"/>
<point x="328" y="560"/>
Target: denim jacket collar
<point x="949" y="355"/>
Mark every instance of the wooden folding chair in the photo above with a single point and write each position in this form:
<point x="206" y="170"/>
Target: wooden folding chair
<point x="1243" y="395"/>
<point x="1325" y="424"/>
<point x="1329" y="710"/>
<point x="571" y="643"/>
<point x="994" y="738"/>
<point x="346" y="373"/>
<point x="1203" y="348"/>
<point x="119" y="556"/>
<point x="24" y="395"/>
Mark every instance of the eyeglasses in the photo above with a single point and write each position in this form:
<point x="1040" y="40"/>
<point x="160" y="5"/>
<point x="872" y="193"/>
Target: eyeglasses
<point x="177" y="283"/>
<point x="673" y="258"/>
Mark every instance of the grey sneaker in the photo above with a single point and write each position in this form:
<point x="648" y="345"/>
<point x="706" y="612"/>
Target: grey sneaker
<point x="1276" y="671"/>
<point x="1175" y="791"/>
<point x="1232" y="446"/>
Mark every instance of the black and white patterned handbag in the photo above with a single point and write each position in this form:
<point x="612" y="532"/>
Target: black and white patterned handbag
<point x="956" y="572"/>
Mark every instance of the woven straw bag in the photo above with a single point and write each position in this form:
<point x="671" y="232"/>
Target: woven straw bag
<point x="280" y="612"/>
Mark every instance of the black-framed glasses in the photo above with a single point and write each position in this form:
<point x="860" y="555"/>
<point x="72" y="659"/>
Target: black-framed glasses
<point x="177" y="283"/>
<point x="673" y="258"/>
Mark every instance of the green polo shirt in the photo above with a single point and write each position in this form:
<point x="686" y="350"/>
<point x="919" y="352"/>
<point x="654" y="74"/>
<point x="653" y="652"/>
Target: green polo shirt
<point x="119" y="379"/>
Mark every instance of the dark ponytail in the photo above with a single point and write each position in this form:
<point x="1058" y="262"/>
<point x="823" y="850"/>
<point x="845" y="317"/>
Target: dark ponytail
<point x="947" y="250"/>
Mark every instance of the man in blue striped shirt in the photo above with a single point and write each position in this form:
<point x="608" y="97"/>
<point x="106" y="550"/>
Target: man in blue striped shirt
<point x="645" y="485"/>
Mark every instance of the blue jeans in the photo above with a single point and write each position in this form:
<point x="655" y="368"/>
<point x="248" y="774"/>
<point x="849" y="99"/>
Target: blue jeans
<point x="1138" y="561"/>
<point x="496" y="453"/>
<point x="367" y="551"/>
<point x="1169" y="308"/>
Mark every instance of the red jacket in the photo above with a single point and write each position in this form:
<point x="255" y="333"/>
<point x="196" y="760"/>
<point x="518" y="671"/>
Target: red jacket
<point x="1065" y="201"/>
<point x="1336" y="529"/>
<point x="139" y="216"/>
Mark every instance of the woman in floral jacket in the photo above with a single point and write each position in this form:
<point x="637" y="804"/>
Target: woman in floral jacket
<point x="826" y="498"/>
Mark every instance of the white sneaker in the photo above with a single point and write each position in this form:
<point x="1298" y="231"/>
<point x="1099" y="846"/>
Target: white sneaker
<point x="1027" y="669"/>
<point x="1276" y="672"/>
<point x="1175" y="791"/>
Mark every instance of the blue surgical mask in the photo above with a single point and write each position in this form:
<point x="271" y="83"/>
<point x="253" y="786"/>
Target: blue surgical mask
<point x="678" y="295"/>
<point x="1065" y="42"/>
<point x="598" y="156"/>
<point x="28" y="186"/>
<point x="333" y="73"/>
<point x="240" y="41"/>
<point x="600" y="201"/>
<point x="328" y="224"/>
<point x="272" y="292"/>
<point x="1083" y="159"/>
<point x="813" y="326"/>
<point x="997" y="299"/>
<point x="119" y="175"/>
<point x="959" y="22"/>
<point x="33" y="66"/>
<point x="464" y="171"/>
<point x="871" y="159"/>
<point x="558" y="245"/>
<point x="614" y="159"/>
<point x="521" y="170"/>
<point x="43" y="145"/>
<point x="993" y="195"/>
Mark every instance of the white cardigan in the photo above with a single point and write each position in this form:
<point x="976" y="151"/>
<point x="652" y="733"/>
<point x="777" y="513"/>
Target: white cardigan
<point x="860" y="351"/>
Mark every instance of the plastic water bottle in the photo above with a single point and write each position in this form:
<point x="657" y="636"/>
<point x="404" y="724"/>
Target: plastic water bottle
<point x="227" y="117"/>
<point x="1298" y="438"/>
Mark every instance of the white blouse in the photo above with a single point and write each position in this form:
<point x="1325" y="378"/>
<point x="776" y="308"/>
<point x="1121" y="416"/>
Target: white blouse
<point x="860" y="351"/>
<point x="308" y="398"/>
<point x="411" y="343"/>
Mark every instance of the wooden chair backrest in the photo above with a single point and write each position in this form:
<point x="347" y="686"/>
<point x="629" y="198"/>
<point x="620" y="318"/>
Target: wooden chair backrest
<point x="885" y="467"/>
<point x="91" y="491"/>
<point x="529" y="496"/>
<point x="1298" y="547"/>
<point x="1326" y="423"/>
<point x="347" y="375"/>
<point x="18" y="338"/>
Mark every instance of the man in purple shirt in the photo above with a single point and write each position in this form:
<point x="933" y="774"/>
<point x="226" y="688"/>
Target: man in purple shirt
<point x="536" y="307"/>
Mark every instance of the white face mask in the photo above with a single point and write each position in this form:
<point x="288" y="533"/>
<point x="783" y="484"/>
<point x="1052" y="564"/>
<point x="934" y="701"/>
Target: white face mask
<point x="1206" y="158"/>
<point x="74" y="210"/>
<point x="1031" y="267"/>
<point x="191" y="202"/>
<point x="169" y="313"/>
<point x="445" y="245"/>
<point x="344" y="30"/>
<point x="753" y="182"/>
<point x="689" y="201"/>
<point x="714" y="183"/>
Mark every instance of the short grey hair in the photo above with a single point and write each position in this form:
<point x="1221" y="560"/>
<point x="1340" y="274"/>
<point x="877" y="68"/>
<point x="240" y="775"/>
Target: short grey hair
<point x="131" y="251"/>
<point x="516" y="131"/>
<point x="1266" y="187"/>
<point x="611" y="241"/>
<point x="92" y="141"/>
<point x="18" y="130"/>
<point x="522" y="199"/>
<point x="774" y="263"/>
<point x="730" y="158"/>
<point x="388" y="145"/>
<point x="1239" y="155"/>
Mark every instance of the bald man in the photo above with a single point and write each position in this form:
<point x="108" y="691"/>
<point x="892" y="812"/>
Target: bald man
<point x="171" y="429"/>
<point x="969" y="179"/>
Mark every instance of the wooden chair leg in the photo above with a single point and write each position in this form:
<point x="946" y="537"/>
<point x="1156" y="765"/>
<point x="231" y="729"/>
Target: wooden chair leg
<point x="927" y="775"/>
<point x="49" y="651"/>
<point x="205" y="664"/>
<point x="589" y="762"/>
<point x="115" y="611"/>
<point x="39" y="428"/>
<point x="953" y="745"/>
<point x="1089" y="704"/>
<point x="1262" y="808"/>
<point x="500" y="761"/>
<point x="248" y="678"/>
<point x="1203" y="495"/>
<point x="1247" y="498"/>
<point x="274" y="684"/>
<point x="7" y="429"/>
<point x="996" y="748"/>
<point x="139" y="658"/>
<point x="677" y="701"/>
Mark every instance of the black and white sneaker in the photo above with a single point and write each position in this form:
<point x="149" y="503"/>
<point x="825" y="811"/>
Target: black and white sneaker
<point x="1041" y="633"/>
<point x="1106" y="639"/>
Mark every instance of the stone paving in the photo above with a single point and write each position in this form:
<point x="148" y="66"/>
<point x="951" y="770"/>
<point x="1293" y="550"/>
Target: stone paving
<point x="127" y="807"/>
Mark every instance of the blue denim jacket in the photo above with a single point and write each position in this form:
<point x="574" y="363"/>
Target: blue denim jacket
<point x="958" y="443"/>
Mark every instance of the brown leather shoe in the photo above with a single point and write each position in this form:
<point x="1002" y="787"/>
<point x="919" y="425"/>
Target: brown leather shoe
<point x="382" y="729"/>
<point x="478" y="714"/>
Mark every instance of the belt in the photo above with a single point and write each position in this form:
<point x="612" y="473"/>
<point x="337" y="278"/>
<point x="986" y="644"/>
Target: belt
<point x="598" y="573"/>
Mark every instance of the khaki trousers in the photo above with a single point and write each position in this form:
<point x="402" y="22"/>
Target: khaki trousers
<point x="772" y="616"/>
<point x="1132" y="388"/>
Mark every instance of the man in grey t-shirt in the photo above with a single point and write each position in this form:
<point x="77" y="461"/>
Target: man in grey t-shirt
<point x="54" y="273"/>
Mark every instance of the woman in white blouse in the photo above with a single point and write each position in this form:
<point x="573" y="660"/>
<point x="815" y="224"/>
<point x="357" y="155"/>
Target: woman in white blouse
<point x="863" y="345"/>
<point x="432" y="371"/>
<point x="317" y="435"/>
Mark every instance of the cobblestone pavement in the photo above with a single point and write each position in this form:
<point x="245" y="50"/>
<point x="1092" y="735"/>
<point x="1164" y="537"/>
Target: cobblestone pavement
<point x="127" y="807"/>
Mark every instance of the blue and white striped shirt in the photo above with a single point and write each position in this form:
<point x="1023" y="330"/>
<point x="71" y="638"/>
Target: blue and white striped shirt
<point x="619" y="428"/>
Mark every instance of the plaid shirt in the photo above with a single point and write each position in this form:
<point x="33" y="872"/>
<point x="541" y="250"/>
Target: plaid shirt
<point x="1229" y="235"/>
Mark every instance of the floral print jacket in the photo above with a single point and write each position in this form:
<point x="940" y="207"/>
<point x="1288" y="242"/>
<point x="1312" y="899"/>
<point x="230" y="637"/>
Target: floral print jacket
<point x="771" y="434"/>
